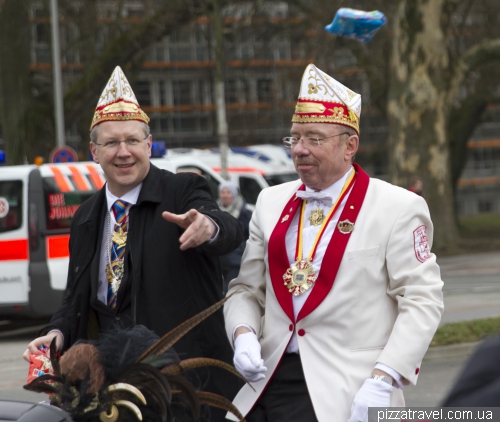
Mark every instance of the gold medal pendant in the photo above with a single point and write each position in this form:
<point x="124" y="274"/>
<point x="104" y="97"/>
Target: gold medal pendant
<point x="300" y="277"/>
<point x="316" y="218"/>
<point x="120" y="238"/>
<point x="115" y="274"/>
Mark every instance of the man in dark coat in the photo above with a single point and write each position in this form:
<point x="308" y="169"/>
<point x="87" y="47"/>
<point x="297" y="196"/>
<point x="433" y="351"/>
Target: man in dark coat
<point x="168" y="237"/>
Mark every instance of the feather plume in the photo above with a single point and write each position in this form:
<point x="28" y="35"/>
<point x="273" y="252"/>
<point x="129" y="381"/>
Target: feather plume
<point x="54" y="357"/>
<point x="139" y="358"/>
<point x="188" y="364"/>
<point x="221" y="402"/>
<point x="169" y="339"/>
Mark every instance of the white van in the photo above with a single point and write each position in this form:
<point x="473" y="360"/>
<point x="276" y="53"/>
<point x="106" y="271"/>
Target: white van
<point x="186" y="163"/>
<point x="37" y="204"/>
<point x="249" y="173"/>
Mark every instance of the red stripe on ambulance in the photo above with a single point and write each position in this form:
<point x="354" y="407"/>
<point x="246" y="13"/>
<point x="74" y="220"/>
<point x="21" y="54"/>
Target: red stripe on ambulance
<point x="62" y="181"/>
<point x="58" y="246"/>
<point x="11" y="250"/>
<point x="95" y="176"/>
<point x="80" y="181"/>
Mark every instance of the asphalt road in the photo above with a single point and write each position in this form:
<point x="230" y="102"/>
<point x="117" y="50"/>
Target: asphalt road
<point x="471" y="291"/>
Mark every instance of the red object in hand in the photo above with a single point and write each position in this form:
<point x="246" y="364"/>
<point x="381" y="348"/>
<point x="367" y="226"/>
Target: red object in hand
<point x="39" y="365"/>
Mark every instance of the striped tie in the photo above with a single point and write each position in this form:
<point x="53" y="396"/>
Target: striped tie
<point x="117" y="250"/>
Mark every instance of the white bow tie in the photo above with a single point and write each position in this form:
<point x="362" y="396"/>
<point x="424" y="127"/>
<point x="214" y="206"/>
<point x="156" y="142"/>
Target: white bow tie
<point x="315" y="196"/>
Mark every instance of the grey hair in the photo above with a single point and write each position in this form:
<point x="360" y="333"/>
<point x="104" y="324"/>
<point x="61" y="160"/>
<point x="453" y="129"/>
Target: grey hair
<point x="94" y="134"/>
<point x="350" y="131"/>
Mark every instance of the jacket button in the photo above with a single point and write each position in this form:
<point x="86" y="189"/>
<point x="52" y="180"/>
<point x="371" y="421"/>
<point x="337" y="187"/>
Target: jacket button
<point x="301" y="332"/>
<point x="76" y="269"/>
<point x="118" y="317"/>
<point x="78" y="314"/>
<point x="290" y="327"/>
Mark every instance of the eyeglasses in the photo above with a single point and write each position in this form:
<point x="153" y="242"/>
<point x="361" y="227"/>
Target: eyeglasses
<point x="114" y="145"/>
<point x="291" y="142"/>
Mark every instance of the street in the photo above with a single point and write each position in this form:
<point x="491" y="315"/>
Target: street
<point x="471" y="290"/>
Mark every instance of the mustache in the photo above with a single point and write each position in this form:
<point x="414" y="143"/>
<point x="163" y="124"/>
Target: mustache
<point x="299" y="161"/>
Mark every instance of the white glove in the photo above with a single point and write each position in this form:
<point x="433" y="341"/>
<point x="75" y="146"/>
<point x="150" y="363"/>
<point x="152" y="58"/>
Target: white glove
<point x="373" y="393"/>
<point x="247" y="357"/>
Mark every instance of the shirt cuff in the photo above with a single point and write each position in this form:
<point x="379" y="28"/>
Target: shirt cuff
<point x="398" y="379"/>
<point x="216" y="235"/>
<point x="57" y="331"/>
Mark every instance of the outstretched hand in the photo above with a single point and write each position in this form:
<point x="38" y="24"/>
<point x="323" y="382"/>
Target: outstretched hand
<point x="198" y="227"/>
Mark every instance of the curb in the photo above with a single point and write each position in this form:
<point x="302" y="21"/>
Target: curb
<point x="453" y="351"/>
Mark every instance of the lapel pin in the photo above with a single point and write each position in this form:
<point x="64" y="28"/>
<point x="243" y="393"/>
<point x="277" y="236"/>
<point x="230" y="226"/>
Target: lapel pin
<point x="345" y="227"/>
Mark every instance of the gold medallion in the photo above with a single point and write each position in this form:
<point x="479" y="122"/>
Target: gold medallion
<point x="345" y="227"/>
<point x="316" y="218"/>
<point x="300" y="277"/>
<point x="120" y="238"/>
<point x="115" y="274"/>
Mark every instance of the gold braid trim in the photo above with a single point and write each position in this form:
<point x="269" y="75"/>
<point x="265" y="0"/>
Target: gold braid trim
<point x="104" y="117"/>
<point x="325" y="119"/>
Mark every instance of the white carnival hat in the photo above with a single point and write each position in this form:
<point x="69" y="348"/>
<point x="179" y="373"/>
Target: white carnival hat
<point x="322" y="99"/>
<point x="118" y="102"/>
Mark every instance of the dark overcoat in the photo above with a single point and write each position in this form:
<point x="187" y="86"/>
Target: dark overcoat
<point x="166" y="286"/>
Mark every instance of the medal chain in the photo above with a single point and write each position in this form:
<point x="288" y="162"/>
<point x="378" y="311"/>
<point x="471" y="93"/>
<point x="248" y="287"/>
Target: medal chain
<point x="346" y="188"/>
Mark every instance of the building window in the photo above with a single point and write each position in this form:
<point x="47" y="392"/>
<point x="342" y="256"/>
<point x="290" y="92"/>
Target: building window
<point x="185" y="124"/>
<point x="231" y="91"/>
<point x="485" y="205"/>
<point x="264" y="90"/>
<point x="182" y="92"/>
<point x="163" y="93"/>
<point x="142" y="90"/>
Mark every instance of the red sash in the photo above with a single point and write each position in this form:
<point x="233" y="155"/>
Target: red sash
<point x="278" y="258"/>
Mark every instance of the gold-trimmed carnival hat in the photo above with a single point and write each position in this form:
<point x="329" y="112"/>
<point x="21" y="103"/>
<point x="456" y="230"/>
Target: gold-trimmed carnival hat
<point x="322" y="99"/>
<point x="118" y="102"/>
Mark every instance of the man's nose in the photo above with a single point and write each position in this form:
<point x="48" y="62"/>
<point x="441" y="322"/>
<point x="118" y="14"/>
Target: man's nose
<point x="123" y="149"/>
<point x="300" y="148"/>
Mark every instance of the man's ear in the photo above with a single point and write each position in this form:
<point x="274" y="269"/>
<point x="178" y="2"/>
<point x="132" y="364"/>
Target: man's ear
<point x="352" y="145"/>
<point x="93" y="152"/>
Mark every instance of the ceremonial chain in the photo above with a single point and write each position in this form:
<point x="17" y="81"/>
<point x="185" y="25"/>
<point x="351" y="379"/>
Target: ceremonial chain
<point x="301" y="276"/>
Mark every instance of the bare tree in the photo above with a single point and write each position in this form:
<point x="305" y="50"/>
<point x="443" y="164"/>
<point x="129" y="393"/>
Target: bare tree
<point x="425" y="81"/>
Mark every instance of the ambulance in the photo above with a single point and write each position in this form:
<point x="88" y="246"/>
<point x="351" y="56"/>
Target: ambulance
<point x="37" y="205"/>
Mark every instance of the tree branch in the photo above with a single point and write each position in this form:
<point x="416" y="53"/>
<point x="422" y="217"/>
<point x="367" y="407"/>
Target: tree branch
<point x="476" y="56"/>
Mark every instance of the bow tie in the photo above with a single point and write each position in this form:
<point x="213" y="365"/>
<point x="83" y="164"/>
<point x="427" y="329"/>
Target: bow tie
<point x="315" y="196"/>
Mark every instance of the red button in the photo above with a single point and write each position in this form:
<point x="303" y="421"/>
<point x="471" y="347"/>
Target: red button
<point x="290" y="327"/>
<point x="301" y="332"/>
<point x="417" y="371"/>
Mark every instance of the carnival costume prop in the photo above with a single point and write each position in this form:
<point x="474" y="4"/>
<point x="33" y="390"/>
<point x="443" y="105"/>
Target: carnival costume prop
<point x="118" y="101"/>
<point x="322" y="99"/>
<point x="131" y="375"/>
<point x="356" y="24"/>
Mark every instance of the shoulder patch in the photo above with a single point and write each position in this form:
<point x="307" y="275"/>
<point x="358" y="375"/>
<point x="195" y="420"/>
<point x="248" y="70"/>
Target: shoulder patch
<point x="421" y="244"/>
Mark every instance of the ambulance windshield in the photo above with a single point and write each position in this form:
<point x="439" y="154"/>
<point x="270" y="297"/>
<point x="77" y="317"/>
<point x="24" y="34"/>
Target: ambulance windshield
<point x="61" y="202"/>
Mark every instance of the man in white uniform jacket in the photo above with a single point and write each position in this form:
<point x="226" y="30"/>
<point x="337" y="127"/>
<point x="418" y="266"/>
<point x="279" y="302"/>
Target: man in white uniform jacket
<point x="338" y="295"/>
